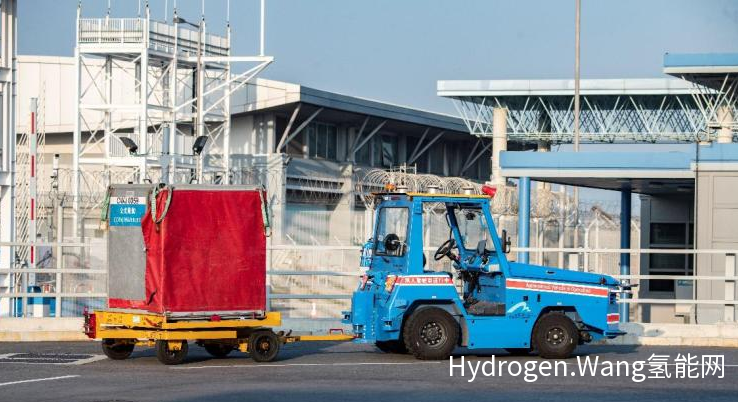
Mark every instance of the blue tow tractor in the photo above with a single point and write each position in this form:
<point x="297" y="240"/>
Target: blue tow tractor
<point x="490" y="302"/>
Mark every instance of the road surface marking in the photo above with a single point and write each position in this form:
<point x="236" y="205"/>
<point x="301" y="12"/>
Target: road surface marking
<point x="305" y="364"/>
<point x="61" y="360"/>
<point x="38" y="379"/>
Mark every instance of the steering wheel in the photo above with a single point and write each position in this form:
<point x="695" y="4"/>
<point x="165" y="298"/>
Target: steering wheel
<point x="445" y="250"/>
<point x="392" y="242"/>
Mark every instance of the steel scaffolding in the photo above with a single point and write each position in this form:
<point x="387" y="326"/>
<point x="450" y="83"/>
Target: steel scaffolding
<point x="146" y="92"/>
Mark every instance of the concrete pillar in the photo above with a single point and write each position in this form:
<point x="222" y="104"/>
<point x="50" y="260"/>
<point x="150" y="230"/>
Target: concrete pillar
<point x="625" y="214"/>
<point x="499" y="142"/>
<point x="725" y="118"/>
<point x="524" y="218"/>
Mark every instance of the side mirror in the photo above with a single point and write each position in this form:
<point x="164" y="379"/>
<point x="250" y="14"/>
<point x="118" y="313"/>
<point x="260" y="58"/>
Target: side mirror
<point x="506" y="243"/>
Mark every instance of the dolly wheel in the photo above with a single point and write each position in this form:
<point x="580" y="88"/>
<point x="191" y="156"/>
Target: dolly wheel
<point x="263" y="346"/>
<point x="431" y="334"/>
<point x="555" y="336"/>
<point x="218" y="350"/>
<point x="171" y="356"/>
<point x="117" y="349"/>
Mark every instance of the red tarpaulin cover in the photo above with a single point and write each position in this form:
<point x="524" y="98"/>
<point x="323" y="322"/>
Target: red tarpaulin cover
<point x="208" y="254"/>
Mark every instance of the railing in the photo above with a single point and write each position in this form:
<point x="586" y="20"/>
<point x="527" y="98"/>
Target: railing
<point x="111" y="30"/>
<point x="161" y="35"/>
<point x="311" y="281"/>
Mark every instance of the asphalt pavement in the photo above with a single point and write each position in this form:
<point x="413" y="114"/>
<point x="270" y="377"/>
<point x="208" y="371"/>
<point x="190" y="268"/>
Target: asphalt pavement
<point x="337" y="372"/>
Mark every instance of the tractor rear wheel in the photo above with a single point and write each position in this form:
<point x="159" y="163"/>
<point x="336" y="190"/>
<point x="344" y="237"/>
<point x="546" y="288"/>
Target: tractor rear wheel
<point x="555" y="336"/>
<point x="170" y="356"/>
<point x="397" y="347"/>
<point x="117" y="349"/>
<point x="431" y="334"/>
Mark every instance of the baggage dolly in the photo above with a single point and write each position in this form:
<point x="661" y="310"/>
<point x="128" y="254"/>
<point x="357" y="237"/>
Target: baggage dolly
<point x="121" y="331"/>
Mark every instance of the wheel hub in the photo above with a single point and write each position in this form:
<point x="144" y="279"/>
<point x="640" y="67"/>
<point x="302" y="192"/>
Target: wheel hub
<point x="432" y="333"/>
<point x="555" y="336"/>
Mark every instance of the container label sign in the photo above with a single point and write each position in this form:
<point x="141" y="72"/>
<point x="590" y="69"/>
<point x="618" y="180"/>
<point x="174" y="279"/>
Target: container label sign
<point x="127" y="211"/>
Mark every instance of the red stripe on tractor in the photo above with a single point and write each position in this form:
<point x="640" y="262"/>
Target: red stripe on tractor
<point x="558" y="288"/>
<point x="424" y="280"/>
<point x="613" y="318"/>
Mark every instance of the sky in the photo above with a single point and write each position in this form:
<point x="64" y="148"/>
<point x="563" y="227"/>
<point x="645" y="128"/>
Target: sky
<point x="396" y="50"/>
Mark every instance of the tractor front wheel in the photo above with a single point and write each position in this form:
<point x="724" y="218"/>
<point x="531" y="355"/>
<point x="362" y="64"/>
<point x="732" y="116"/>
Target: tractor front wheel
<point x="431" y="334"/>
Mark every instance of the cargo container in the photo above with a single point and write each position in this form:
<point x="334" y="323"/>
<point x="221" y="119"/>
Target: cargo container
<point x="203" y="249"/>
<point x="188" y="263"/>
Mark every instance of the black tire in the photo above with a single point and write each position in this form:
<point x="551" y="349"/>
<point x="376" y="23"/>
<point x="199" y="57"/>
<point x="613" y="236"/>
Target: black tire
<point x="518" y="351"/>
<point x="431" y="334"/>
<point x="170" y="356"/>
<point x="555" y="336"/>
<point x="264" y="346"/>
<point x="397" y="347"/>
<point x="218" y="350"/>
<point x="117" y="349"/>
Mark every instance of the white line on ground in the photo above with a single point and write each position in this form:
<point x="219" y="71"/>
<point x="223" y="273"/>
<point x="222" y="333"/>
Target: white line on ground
<point x="10" y="359"/>
<point x="38" y="379"/>
<point x="304" y="364"/>
<point x="91" y="359"/>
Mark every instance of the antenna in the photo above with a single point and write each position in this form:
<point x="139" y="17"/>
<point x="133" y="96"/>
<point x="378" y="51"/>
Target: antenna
<point x="166" y="9"/>
<point x="261" y="36"/>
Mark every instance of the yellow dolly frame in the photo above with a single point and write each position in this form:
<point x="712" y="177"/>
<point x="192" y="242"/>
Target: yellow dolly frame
<point x="120" y="332"/>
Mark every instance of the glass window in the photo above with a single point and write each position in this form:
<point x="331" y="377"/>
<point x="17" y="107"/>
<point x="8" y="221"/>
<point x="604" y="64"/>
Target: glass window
<point x="392" y="231"/>
<point x="331" y="138"/>
<point x="669" y="233"/>
<point x="322" y="140"/>
<point x="376" y="151"/>
<point x="473" y="228"/>
<point x="364" y="154"/>
<point x="436" y="159"/>
<point x="389" y="150"/>
<point x="667" y="264"/>
<point x="312" y="140"/>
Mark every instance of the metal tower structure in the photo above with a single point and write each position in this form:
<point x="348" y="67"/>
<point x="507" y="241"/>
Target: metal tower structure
<point x="8" y="31"/>
<point x="613" y="111"/>
<point x="153" y="102"/>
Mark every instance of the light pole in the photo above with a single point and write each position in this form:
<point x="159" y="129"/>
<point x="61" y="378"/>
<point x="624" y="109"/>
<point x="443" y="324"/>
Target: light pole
<point x="199" y="124"/>
<point x="577" y="25"/>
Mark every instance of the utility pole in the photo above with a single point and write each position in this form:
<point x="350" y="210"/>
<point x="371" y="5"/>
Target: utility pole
<point x="577" y="26"/>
